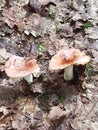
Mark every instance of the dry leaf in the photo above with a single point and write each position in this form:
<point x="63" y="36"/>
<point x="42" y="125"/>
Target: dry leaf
<point x="92" y="32"/>
<point x="4" y="56"/>
<point x="56" y="113"/>
<point x="92" y="10"/>
<point x="85" y="100"/>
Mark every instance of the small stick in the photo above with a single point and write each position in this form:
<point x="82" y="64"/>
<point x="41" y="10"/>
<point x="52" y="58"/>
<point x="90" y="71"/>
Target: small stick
<point x="90" y="111"/>
<point x="3" y="57"/>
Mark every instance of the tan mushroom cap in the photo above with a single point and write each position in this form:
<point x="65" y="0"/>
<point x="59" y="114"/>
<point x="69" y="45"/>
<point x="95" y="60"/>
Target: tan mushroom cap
<point x="65" y="58"/>
<point x="17" y="67"/>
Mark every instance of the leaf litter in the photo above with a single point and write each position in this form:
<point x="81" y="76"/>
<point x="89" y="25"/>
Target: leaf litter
<point x="39" y="29"/>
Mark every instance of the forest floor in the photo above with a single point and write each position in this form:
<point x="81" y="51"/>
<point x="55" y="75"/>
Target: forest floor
<point x="39" y="29"/>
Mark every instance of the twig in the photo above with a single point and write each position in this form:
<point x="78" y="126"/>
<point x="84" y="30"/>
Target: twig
<point x="3" y="57"/>
<point x="90" y="111"/>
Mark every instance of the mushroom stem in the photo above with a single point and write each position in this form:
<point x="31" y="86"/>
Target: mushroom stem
<point x="29" y="78"/>
<point x="68" y="73"/>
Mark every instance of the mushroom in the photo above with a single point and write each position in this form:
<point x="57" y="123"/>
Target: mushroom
<point x="18" y="67"/>
<point x="65" y="59"/>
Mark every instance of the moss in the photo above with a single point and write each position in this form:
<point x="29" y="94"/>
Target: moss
<point x="41" y="48"/>
<point x="61" y="96"/>
<point x="44" y="101"/>
<point x="50" y="13"/>
<point x="89" y="70"/>
<point x="33" y="127"/>
<point x="88" y="24"/>
<point x="42" y="76"/>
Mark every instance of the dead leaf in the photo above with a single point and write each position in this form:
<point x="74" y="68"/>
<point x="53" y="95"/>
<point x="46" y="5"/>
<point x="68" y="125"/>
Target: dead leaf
<point x="85" y="100"/>
<point x="13" y="15"/>
<point x="92" y="8"/>
<point x="20" y="3"/>
<point x="76" y="16"/>
<point x="65" y="30"/>
<point x="2" y="4"/>
<point x="92" y="32"/>
<point x="79" y="6"/>
<point x="95" y="60"/>
<point x="26" y="104"/>
<point x="33" y="24"/>
<point x="56" y="113"/>
<point x="37" y="87"/>
<point x="4" y="56"/>
<point x="6" y="118"/>
<point x="20" y="121"/>
<point x="38" y="5"/>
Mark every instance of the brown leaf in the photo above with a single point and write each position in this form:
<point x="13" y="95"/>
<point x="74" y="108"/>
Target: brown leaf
<point x="56" y="113"/>
<point x="8" y="17"/>
<point x="17" y="16"/>
<point x="37" y="5"/>
<point x="6" y="117"/>
<point x="84" y="100"/>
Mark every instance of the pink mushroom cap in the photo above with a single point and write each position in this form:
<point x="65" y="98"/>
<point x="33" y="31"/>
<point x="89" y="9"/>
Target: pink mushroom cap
<point x="17" y="67"/>
<point x="65" y="58"/>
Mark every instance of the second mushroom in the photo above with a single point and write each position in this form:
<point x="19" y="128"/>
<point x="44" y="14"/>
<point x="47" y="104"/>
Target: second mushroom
<point x="18" y="67"/>
<point x="65" y="59"/>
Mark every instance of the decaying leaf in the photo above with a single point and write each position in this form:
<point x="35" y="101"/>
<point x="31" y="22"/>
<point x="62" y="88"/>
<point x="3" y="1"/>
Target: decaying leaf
<point x="20" y="3"/>
<point x="26" y="105"/>
<point x="33" y="24"/>
<point x="45" y="2"/>
<point x="56" y="113"/>
<point x="95" y="60"/>
<point x="4" y="56"/>
<point x="92" y="10"/>
<point x="2" y="4"/>
<point x="79" y="6"/>
<point x="20" y="121"/>
<point x="38" y="5"/>
<point x="13" y="15"/>
<point x="85" y="100"/>
<point x="92" y="32"/>
<point x="76" y="16"/>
